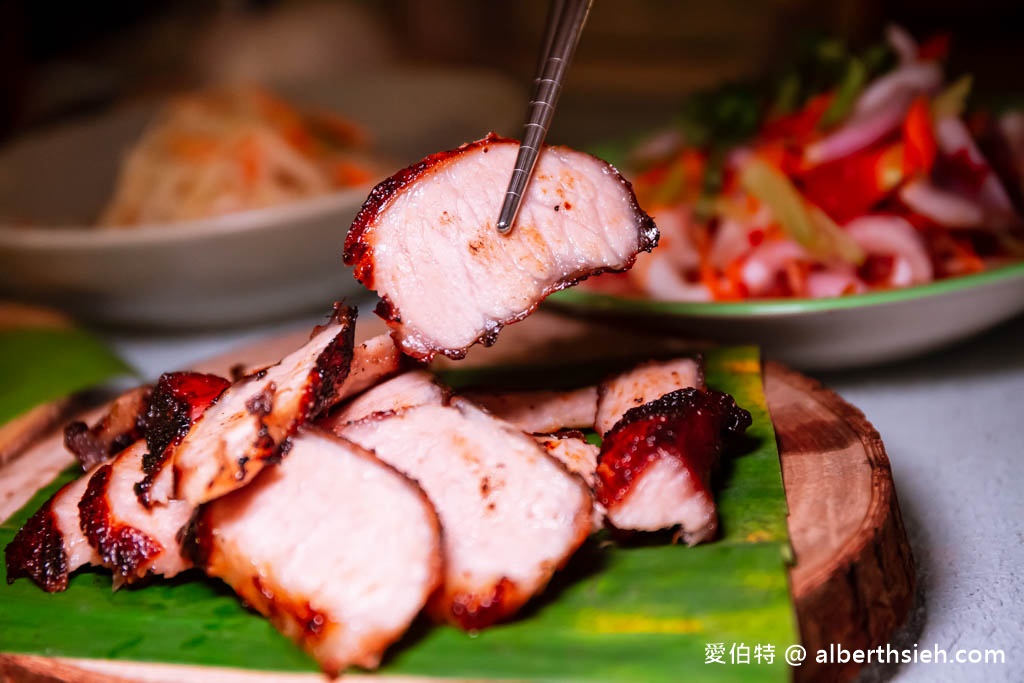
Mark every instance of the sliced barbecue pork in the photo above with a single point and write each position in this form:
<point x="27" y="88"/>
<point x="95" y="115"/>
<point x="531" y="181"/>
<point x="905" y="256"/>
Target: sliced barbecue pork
<point x="512" y="515"/>
<point x="178" y="400"/>
<point x="654" y="470"/>
<point x="245" y="429"/>
<point x="643" y="384"/>
<point x="339" y="550"/>
<point x="426" y="241"/>
<point x="130" y="539"/>
<point x="410" y="389"/>
<point x="120" y="426"/>
<point x="51" y="545"/>
<point x="541" y="412"/>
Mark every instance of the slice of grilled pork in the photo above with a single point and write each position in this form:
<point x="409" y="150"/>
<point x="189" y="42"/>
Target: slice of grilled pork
<point x="425" y="240"/>
<point x="654" y="470"/>
<point x="244" y="430"/>
<point x="410" y="389"/>
<point x="51" y="545"/>
<point x="541" y="411"/>
<point x="512" y="515"/>
<point x="337" y="549"/>
<point x="131" y="539"/>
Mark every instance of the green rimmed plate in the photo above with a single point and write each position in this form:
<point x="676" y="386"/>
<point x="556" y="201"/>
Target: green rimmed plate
<point x="831" y="333"/>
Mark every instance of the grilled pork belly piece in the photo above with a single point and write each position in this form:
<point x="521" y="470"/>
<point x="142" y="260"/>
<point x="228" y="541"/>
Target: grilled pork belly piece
<point x="51" y="545"/>
<point x="541" y="412"/>
<point x="244" y="430"/>
<point x="178" y="400"/>
<point x="119" y="427"/>
<point x="643" y="384"/>
<point x="426" y="241"/>
<point x="654" y="470"/>
<point x="130" y="539"/>
<point x="339" y="550"/>
<point x="511" y="514"/>
<point x="410" y="389"/>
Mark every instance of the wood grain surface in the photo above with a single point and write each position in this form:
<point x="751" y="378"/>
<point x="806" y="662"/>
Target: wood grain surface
<point x="853" y="580"/>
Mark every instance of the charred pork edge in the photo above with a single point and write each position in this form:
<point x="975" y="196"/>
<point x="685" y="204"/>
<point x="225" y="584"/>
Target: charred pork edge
<point x="153" y="464"/>
<point x="334" y="363"/>
<point x="602" y="386"/>
<point x="86" y="442"/>
<point x="122" y="548"/>
<point x="37" y="552"/>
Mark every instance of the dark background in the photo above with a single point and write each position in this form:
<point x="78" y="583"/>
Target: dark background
<point x="637" y="59"/>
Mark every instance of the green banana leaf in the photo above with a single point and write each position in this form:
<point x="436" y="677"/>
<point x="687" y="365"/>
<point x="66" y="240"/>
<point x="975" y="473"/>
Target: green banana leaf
<point x="636" y="613"/>
<point x="38" y="365"/>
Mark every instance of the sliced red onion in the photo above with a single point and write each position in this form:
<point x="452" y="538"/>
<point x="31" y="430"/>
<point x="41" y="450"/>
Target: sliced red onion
<point x="834" y="281"/>
<point x="738" y="157"/>
<point x="902" y="43"/>
<point x="879" y="111"/>
<point x="732" y="240"/>
<point x="907" y="81"/>
<point x="953" y="137"/>
<point x="894" y="236"/>
<point x="657" y="146"/>
<point x="766" y="261"/>
<point x="942" y="206"/>
<point x="656" y="276"/>
<point x="674" y="225"/>
<point x="859" y="133"/>
<point x="1011" y="125"/>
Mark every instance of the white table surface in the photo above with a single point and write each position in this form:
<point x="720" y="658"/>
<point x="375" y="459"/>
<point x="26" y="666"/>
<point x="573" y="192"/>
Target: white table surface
<point x="953" y="425"/>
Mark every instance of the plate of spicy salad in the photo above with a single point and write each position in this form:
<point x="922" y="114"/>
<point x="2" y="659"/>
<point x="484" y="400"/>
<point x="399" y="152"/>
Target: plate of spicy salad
<point x="853" y="211"/>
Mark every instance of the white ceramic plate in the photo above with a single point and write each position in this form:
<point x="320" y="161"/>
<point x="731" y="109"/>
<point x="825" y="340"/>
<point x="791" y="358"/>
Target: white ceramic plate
<point x="240" y="268"/>
<point x="829" y="333"/>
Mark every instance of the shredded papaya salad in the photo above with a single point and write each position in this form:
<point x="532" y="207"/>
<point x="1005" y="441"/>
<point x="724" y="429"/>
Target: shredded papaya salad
<point x="858" y="174"/>
<point x="232" y="149"/>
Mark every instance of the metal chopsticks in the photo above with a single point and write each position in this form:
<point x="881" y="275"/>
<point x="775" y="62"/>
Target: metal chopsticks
<point x="564" y="26"/>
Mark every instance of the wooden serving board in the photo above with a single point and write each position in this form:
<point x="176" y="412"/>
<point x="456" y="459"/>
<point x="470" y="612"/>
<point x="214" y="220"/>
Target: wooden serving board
<point x="853" y="579"/>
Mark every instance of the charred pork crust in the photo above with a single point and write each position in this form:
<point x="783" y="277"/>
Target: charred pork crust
<point x="178" y="400"/>
<point x="124" y="549"/>
<point x="690" y="424"/>
<point x="37" y="552"/>
<point x="359" y="241"/>
<point x="119" y="428"/>
<point x="331" y="370"/>
<point x="334" y="364"/>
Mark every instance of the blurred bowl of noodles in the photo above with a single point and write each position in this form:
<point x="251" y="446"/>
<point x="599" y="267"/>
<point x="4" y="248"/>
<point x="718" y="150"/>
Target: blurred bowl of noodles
<point x="224" y="207"/>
